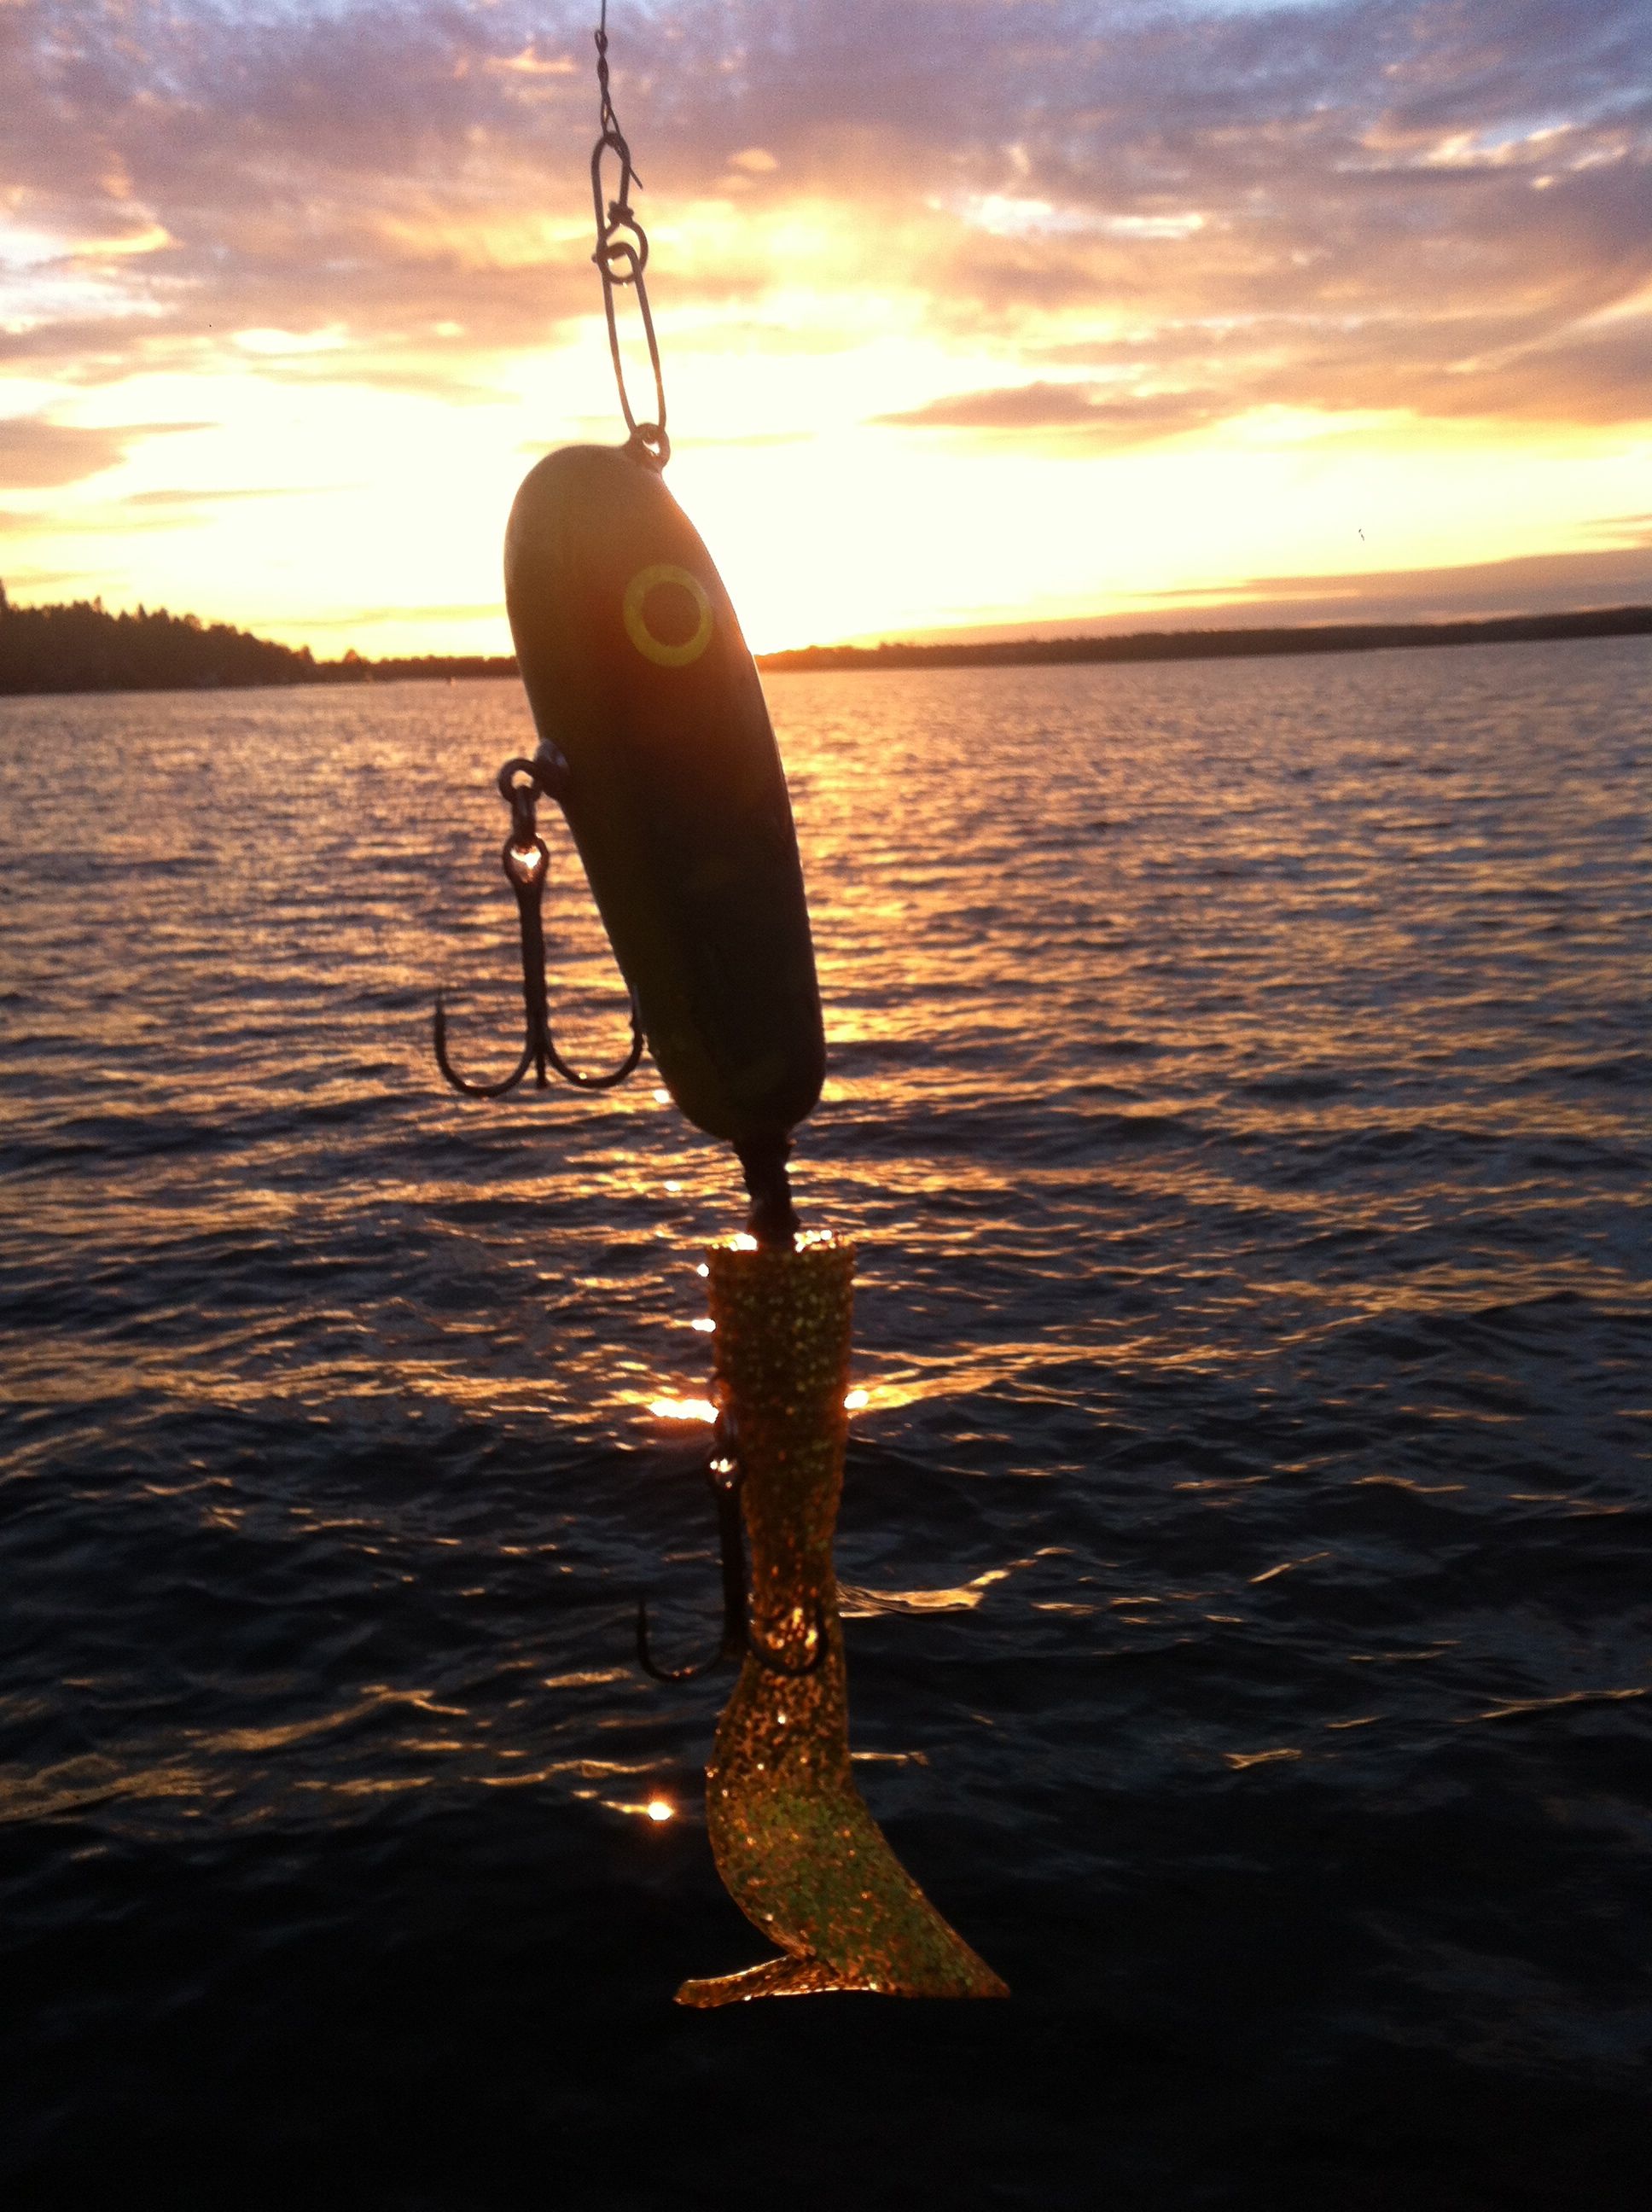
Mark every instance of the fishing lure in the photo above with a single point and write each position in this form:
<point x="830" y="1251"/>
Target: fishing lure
<point x="655" y="740"/>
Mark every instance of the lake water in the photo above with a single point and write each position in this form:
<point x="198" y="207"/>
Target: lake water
<point x="1239" y="1095"/>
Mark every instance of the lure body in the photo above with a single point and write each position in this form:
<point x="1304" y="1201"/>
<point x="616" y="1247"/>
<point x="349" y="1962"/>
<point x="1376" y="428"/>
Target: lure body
<point x="639" y="677"/>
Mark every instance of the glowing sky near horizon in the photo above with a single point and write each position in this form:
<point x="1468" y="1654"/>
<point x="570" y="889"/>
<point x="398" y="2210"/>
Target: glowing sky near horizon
<point x="975" y="313"/>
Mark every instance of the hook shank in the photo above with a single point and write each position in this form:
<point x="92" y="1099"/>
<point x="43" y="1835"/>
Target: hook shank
<point x="740" y="1639"/>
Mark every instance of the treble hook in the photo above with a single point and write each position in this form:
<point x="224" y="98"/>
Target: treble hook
<point x="526" y="862"/>
<point x="723" y="1474"/>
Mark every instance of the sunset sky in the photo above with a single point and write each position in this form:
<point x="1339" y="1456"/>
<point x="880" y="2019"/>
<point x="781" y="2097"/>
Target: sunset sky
<point x="975" y="314"/>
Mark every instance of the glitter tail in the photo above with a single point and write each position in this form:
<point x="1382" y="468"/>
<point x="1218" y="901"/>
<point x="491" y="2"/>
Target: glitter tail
<point x="796" y="1847"/>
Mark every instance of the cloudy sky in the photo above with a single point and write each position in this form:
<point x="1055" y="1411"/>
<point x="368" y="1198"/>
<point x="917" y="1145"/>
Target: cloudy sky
<point x="975" y="314"/>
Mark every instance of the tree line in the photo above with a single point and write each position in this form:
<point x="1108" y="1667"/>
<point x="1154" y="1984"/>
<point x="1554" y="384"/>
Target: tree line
<point x="81" y="646"/>
<point x="1220" y="644"/>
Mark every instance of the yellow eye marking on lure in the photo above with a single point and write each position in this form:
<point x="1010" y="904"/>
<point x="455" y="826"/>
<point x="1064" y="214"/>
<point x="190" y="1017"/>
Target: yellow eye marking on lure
<point x="636" y="622"/>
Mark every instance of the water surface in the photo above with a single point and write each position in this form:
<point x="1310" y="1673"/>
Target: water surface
<point x="1239" y="1097"/>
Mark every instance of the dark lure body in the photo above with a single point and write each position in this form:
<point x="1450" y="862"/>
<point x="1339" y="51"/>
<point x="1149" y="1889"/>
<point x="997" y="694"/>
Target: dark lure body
<point x="640" y="679"/>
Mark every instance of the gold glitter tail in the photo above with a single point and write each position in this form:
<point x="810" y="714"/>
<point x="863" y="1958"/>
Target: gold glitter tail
<point x="796" y="1848"/>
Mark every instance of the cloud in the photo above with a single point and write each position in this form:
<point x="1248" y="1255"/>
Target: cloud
<point x="106" y="526"/>
<point x="367" y="618"/>
<point x="36" y="455"/>
<point x="226" y="496"/>
<point x="1413" y="183"/>
<point x="1528" y="584"/>
<point x="1069" y="407"/>
<point x="1637" y="528"/>
<point x="288" y="168"/>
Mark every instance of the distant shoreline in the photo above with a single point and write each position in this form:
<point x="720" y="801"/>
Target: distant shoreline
<point x="63" y="649"/>
<point x="1221" y="644"/>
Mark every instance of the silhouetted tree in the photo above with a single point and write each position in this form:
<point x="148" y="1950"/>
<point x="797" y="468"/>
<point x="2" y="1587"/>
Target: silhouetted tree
<point x="80" y="647"/>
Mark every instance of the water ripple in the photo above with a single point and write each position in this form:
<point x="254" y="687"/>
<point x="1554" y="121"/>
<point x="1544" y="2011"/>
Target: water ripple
<point x="1238" y="1095"/>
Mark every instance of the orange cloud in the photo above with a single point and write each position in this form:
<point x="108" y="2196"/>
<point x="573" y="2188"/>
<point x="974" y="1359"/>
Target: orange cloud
<point x="36" y="455"/>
